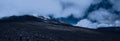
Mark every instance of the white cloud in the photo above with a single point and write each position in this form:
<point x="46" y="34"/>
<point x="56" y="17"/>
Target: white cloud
<point x="86" y="23"/>
<point x="117" y="23"/>
<point x="102" y="16"/>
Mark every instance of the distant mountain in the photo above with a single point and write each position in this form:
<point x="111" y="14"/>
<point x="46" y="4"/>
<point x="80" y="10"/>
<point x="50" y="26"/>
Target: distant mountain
<point x="21" y="18"/>
<point x="30" y="28"/>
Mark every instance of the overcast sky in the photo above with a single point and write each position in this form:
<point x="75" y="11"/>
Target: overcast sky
<point x="63" y="8"/>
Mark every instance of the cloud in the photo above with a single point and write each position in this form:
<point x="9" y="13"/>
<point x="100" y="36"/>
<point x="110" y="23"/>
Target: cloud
<point x="38" y="7"/>
<point x="100" y="18"/>
<point x="76" y="8"/>
<point x="86" y="23"/>
<point x="44" y="7"/>
<point x="103" y="17"/>
<point x="116" y="4"/>
<point x="64" y="8"/>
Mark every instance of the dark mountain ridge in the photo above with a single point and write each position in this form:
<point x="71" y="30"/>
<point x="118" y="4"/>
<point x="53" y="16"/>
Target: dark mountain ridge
<point x="20" y="18"/>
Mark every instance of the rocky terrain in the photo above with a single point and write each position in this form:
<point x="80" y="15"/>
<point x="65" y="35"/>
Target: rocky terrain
<point x="30" y="28"/>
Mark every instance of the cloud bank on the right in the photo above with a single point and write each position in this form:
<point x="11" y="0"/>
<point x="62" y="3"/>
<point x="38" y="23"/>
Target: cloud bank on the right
<point x="102" y="13"/>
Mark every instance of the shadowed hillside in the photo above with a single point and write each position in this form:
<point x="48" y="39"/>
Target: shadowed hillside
<point x="30" y="28"/>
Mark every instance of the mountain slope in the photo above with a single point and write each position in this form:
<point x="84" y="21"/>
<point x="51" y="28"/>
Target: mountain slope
<point x="48" y="30"/>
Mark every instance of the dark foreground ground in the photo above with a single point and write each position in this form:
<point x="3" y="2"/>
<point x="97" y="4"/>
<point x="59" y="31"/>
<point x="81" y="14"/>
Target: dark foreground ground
<point x="53" y="31"/>
<point x="38" y="31"/>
